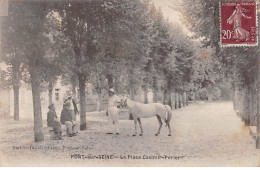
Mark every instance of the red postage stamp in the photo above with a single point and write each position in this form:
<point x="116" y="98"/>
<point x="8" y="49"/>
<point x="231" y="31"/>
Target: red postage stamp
<point x="238" y="24"/>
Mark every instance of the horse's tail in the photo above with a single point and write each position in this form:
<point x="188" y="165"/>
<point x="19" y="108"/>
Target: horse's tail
<point x="169" y="114"/>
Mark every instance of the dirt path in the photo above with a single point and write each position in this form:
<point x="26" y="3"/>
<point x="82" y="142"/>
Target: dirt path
<point x="204" y="134"/>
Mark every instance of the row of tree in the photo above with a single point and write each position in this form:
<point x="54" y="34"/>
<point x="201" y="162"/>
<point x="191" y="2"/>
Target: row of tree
<point x="125" y="44"/>
<point x="238" y="64"/>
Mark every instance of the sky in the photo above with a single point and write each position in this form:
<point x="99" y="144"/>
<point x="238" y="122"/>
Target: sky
<point x="168" y="9"/>
<point x="165" y="5"/>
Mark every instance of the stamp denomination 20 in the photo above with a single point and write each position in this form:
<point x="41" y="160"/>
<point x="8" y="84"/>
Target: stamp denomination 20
<point x="238" y="25"/>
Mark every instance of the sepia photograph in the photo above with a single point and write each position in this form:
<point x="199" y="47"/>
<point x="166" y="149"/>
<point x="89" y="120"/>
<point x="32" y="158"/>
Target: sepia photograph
<point x="129" y="83"/>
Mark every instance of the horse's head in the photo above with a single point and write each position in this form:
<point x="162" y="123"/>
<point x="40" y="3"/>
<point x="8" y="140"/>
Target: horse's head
<point x="124" y="101"/>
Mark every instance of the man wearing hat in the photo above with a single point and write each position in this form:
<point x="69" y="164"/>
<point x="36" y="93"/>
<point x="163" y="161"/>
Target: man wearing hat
<point x="73" y="108"/>
<point x="67" y="119"/>
<point x="113" y="111"/>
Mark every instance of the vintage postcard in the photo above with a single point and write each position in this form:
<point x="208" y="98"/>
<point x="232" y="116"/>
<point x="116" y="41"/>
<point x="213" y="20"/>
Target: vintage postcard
<point x="129" y="83"/>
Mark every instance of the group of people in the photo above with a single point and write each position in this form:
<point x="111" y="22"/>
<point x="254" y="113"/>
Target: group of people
<point x="69" y="111"/>
<point x="68" y="118"/>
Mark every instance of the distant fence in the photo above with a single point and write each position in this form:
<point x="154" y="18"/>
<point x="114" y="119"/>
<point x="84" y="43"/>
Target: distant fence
<point x="93" y="104"/>
<point x="91" y="107"/>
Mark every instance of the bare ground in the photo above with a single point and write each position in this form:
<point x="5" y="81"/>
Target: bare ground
<point x="204" y="134"/>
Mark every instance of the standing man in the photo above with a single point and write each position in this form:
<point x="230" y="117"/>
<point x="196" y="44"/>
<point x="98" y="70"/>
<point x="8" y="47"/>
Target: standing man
<point x="73" y="108"/>
<point x="67" y="119"/>
<point x="113" y="111"/>
<point x="53" y="121"/>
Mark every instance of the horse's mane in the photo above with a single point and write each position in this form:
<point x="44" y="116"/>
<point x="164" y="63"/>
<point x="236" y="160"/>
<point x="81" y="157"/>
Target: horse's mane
<point x="130" y="102"/>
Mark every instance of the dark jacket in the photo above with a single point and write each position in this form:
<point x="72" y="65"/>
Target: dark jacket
<point x="74" y="105"/>
<point x="50" y="118"/>
<point x="65" y="116"/>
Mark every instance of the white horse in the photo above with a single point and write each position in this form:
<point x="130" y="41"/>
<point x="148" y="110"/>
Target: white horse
<point x="140" y="110"/>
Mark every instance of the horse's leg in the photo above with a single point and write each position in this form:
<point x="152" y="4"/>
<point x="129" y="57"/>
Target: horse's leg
<point x="140" y="124"/>
<point x="168" y="119"/>
<point x="160" y="125"/>
<point x="170" y="131"/>
<point x="135" y="121"/>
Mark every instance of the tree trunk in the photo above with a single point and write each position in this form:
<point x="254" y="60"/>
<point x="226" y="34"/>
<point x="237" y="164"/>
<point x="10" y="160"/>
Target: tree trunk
<point x="16" y="86"/>
<point x="7" y="114"/>
<point x="175" y="101"/>
<point x="187" y="99"/>
<point x="99" y="93"/>
<point x="82" y="86"/>
<point x="235" y="99"/>
<point x="50" y="92"/>
<point x="254" y="105"/>
<point x="209" y="96"/>
<point x="241" y="109"/>
<point x="145" y="94"/>
<point x="37" y="111"/>
<point x="131" y="83"/>
<point x="155" y="87"/>
<point x="99" y="101"/>
<point x="170" y="99"/>
<point x="169" y="89"/>
<point x="179" y="100"/>
<point x="194" y="96"/>
<point x="110" y="81"/>
<point x="183" y="99"/>
<point x="132" y="93"/>
<point x="247" y="107"/>
<point x="258" y="105"/>
<point x="164" y="96"/>
<point x="209" y="93"/>
<point x="154" y="95"/>
<point x="242" y="114"/>
<point x="16" y="102"/>
<point x="240" y="102"/>
<point x="255" y="108"/>
<point x="244" y="105"/>
<point x="250" y="105"/>
<point x="82" y="97"/>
